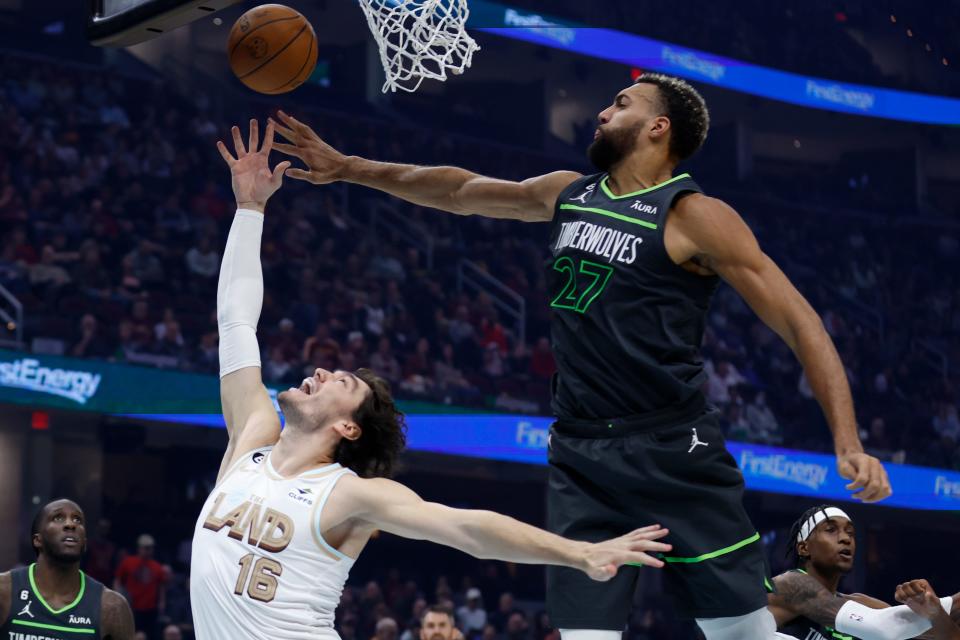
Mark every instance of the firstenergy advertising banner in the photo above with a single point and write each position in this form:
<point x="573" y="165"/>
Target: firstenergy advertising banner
<point x="185" y="398"/>
<point x="655" y="55"/>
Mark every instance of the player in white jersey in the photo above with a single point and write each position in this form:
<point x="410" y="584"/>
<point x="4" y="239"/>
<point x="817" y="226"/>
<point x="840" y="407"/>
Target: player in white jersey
<point x="292" y="510"/>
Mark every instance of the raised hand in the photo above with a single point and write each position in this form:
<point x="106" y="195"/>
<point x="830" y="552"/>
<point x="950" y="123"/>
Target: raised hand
<point x="868" y="476"/>
<point x="605" y="558"/>
<point x="324" y="163"/>
<point x="252" y="180"/>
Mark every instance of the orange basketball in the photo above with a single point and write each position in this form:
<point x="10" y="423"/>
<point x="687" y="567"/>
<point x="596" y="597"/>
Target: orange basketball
<point x="272" y="49"/>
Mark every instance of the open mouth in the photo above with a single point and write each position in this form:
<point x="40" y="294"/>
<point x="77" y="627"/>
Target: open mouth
<point x="70" y="541"/>
<point x="846" y="553"/>
<point x="308" y="386"/>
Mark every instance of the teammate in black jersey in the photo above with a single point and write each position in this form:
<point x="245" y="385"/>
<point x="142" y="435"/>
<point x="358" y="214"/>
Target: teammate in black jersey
<point x="637" y="253"/>
<point x="807" y="604"/>
<point x="53" y="599"/>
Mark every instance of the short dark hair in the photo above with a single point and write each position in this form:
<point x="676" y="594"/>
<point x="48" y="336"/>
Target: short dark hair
<point x="37" y="523"/>
<point x="383" y="431"/>
<point x="795" y="531"/>
<point x="687" y="111"/>
<point x="438" y="608"/>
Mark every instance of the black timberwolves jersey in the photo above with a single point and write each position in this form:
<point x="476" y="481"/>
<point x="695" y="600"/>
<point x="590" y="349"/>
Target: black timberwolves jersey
<point x="32" y="618"/>
<point x="806" y="629"/>
<point x="627" y="322"/>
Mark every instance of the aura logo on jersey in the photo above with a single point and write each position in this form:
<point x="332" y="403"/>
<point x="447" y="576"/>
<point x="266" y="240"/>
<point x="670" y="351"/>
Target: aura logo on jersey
<point x="605" y="242"/>
<point x="267" y="529"/>
<point x="638" y="205"/>
<point x="27" y="373"/>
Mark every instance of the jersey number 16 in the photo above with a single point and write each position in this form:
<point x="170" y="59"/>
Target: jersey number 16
<point x="263" y="584"/>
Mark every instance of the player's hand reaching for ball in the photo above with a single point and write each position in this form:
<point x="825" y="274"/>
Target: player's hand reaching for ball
<point x="869" y="478"/>
<point x="324" y="163"/>
<point x="603" y="559"/>
<point x="253" y="181"/>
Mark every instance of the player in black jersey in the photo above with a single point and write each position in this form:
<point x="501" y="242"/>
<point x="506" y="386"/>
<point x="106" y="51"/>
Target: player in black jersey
<point x="806" y="602"/>
<point x="636" y="256"/>
<point x="53" y="599"/>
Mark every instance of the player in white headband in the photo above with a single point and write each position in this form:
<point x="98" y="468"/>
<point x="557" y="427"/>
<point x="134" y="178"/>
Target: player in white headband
<point x="807" y="605"/>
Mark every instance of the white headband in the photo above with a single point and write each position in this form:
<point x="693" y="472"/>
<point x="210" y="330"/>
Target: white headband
<point x="830" y="512"/>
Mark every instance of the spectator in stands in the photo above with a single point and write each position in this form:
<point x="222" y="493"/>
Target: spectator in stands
<point x="518" y="628"/>
<point x="472" y="617"/>
<point x="436" y="623"/>
<point x="172" y="632"/>
<point x="203" y="261"/>
<point x="387" y="629"/>
<point x="505" y="608"/>
<point x="761" y="423"/>
<point x="721" y="378"/>
<point x="101" y="554"/>
<point x="143" y="580"/>
<point x="542" y="364"/>
<point x="92" y="343"/>
<point x="946" y="422"/>
<point x="384" y="362"/>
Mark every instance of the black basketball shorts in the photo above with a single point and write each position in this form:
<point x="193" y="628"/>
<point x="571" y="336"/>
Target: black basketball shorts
<point x="669" y="468"/>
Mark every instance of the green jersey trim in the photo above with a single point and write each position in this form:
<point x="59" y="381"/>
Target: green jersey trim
<point x="610" y="214"/>
<point x="36" y="592"/>
<point x="51" y="627"/>
<point x="715" y="554"/>
<point x="612" y="196"/>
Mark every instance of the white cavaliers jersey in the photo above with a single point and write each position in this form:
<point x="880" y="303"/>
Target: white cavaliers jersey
<point x="260" y="568"/>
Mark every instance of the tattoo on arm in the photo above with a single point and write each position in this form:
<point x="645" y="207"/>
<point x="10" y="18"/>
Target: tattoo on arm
<point x="116" y="618"/>
<point x="806" y="597"/>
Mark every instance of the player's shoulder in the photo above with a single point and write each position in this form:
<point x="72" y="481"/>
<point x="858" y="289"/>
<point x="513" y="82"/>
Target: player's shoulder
<point x="116" y="616"/>
<point x="796" y="585"/>
<point x="112" y="601"/>
<point x="367" y="492"/>
<point x="698" y="204"/>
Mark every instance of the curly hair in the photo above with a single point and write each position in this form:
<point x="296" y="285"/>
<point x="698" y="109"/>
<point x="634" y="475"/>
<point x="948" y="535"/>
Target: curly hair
<point x="383" y="432"/>
<point x="687" y="111"/>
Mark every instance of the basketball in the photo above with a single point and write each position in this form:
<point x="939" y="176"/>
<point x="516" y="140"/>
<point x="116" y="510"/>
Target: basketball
<point x="272" y="49"/>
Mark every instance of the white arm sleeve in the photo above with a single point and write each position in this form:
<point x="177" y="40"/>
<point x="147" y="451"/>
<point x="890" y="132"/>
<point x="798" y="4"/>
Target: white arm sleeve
<point x="240" y="293"/>
<point x="893" y="623"/>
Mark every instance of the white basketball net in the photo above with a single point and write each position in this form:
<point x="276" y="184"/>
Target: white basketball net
<point x="419" y="39"/>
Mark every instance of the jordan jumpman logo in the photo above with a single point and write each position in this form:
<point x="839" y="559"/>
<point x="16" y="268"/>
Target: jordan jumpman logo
<point x="695" y="441"/>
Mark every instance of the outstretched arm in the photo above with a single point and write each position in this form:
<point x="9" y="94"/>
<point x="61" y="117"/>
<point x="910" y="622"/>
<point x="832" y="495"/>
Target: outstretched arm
<point x="920" y="597"/>
<point x="799" y="594"/>
<point x="711" y="235"/>
<point x="447" y="188"/>
<point x="116" y="618"/>
<point x="392" y="507"/>
<point x="252" y="422"/>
